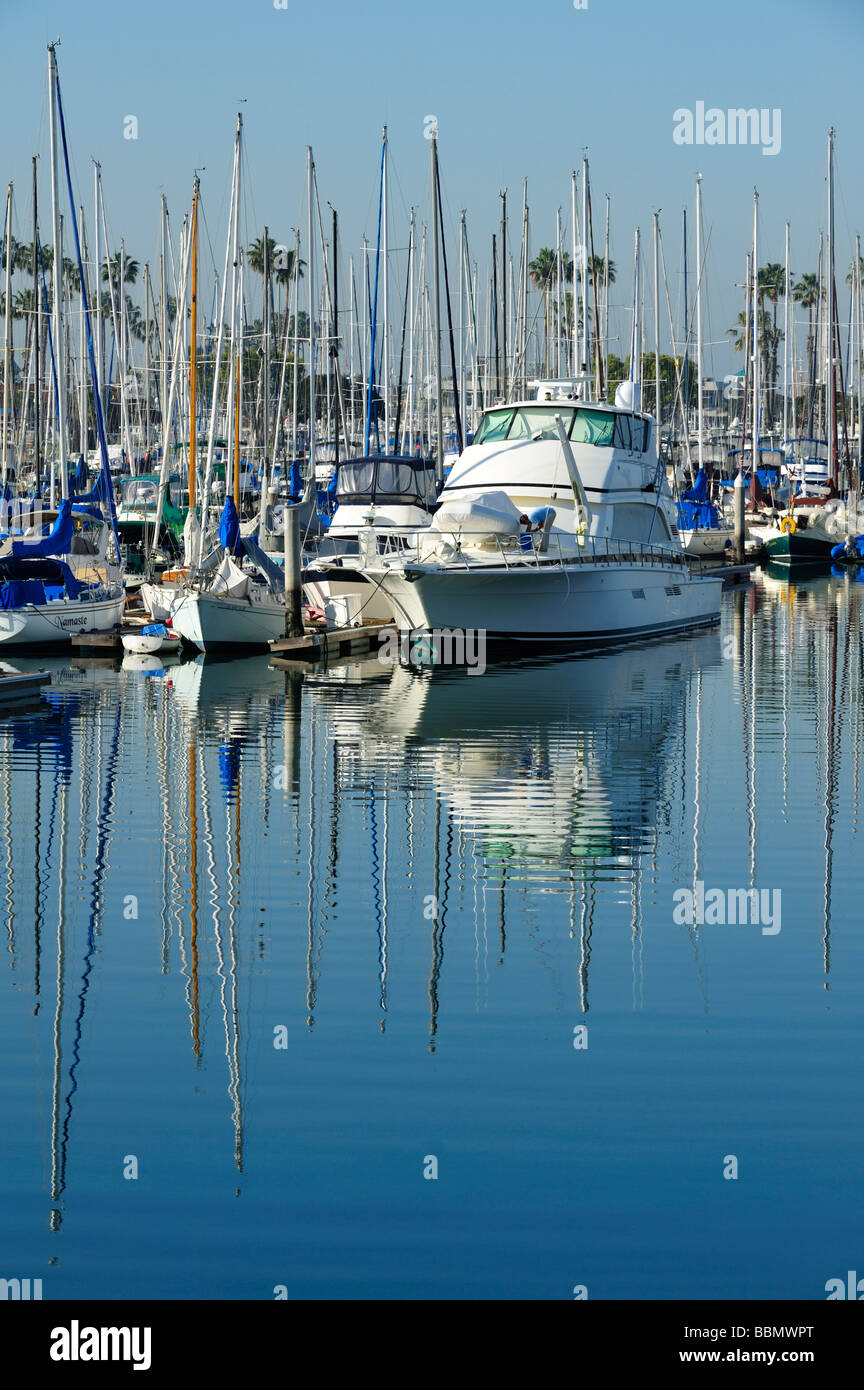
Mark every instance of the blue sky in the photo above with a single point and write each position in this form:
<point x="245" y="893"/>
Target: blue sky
<point x="518" y="91"/>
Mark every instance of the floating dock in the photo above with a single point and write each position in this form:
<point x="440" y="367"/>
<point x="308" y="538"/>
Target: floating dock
<point x="21" y="687"/>
<point x="322" y="645"/>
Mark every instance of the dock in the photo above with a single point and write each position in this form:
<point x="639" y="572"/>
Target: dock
<point x="21" y="687"/>
<point x="322" y="645"/>
<point x="731" y="575"/>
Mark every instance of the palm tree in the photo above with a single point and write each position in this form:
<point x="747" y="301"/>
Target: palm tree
<point x="111" y="270"/>
<point x="742" y="331"/>
<point x="281" y="265"/>
<point x="808" y="294"/>
<point x="772" y="286"/>
<point x="136" y="324"/>
<point x="597" y="266"/>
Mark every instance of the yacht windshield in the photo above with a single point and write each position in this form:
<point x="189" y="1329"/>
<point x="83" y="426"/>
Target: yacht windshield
<point x="593" y="427"/>
<point x="494" y="425"/>
<point x="539" y="423"/>
<point x="382" y="480"/>
<point x="139" y="492"/>
<point x="526" y="422"/>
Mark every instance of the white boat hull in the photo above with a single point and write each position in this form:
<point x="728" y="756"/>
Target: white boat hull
<point x="59" y="620"/>
<point x="216" y="620"/>
<point x="578" y="605"/>
<point x="707" y="541"/>
<point x="159" y="600"/>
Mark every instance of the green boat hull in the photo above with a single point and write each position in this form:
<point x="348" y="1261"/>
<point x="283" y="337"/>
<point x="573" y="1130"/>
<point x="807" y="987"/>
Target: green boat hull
<point x="797" y="550"/>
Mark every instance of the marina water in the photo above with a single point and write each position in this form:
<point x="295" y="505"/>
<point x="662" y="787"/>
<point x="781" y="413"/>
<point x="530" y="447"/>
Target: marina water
<point x="367" y="982"/>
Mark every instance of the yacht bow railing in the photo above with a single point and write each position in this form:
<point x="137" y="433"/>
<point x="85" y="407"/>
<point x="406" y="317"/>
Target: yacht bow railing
<point x="482" y="550"/>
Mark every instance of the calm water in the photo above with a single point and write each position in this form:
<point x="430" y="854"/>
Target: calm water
<point x="419" y="885"/>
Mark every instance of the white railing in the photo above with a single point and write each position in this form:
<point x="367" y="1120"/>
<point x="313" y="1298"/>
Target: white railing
<point x="465" y="549"/>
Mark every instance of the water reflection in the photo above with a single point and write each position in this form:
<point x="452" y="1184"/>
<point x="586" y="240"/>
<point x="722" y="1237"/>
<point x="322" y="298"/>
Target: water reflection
<point x="258" y="821"/>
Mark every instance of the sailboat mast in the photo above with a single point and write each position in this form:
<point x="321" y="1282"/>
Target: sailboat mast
<point x="7" y="345"/>
<point x="233" y="404"/>
<point x="787" y="295"/>
<point x="37" y="326"/>
<point x="606" y="301"/>
<point x="583" y="262"/>
<point x="193" y="350"/>
<point x="757" y="385"/>
<point x="574" y="252"/>
<point x="97" y="254"/>
<point x="163" y="328"/>
<point x="635" y="353"/>
<point x="504" y="285"/>
<point x="265" y="319"/>
<point x="386" y="296"/>
<point x="56" y="279"/>
<point x="699" y="396"/>
<point x="657" y="397"/>
<point x="311" y="288"/>
<point x="82" y="368"/>
<point x="829" y="274"/>
<point x="439" y="423"/>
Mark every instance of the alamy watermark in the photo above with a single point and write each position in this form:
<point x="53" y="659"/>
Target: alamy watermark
<point x="437" y="646"/>
<point x="728" y="906"/>
<point x="19" y="515"/>
<point x="736" y="126"/>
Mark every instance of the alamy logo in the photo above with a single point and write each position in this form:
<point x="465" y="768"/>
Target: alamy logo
<point x="719" y="907"/>
<point x="737" y="126"/>
<point x="19" y="1289"/>
<point x="853" y="1288"/>
<point x="443" y="646"/>
<point x="75" y="1343"/>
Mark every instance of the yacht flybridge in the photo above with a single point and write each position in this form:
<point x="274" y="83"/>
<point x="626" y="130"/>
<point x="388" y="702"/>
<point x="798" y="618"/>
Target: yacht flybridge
<point x="556" y="526"/>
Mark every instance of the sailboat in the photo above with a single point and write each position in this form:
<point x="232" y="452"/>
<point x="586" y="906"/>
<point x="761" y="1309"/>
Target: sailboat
<point x="42" y="599"/>
<point x="701" y="527"/>
<point x="806" y="542"/>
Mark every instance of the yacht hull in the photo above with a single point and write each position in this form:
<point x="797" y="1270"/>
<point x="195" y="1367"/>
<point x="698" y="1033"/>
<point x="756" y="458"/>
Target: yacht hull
<point x="574" y="605"/>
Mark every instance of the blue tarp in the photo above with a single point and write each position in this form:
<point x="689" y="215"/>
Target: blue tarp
<point x="698" y="516"/>
<point x="56" y="543"/>
<point x="53" y="573"/>
<point x="229" y="526"/>
<point x="16" y="592"/>
<point x="98" y="492"/>
<point x="80" y="478"/>
<point x="699" y="491"/>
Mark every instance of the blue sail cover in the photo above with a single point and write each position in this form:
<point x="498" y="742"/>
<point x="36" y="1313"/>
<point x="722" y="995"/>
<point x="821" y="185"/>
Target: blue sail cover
<point x="98" y="493"/>
<point x="229" y="526"/>
<point x="296" y="488"/>
<point x="80" y="478"/>
<point x="699" y="491"/>
<point x="56" y="543"/>
<point x="35" y="580"/>
<point x="695" y="512"/>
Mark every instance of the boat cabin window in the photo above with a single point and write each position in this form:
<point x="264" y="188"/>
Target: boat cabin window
<point x="531" y="424"/>
<point x="630" y="432"/>
<point x="593" y="427"/>
<point x="583" y="425"/>
<point x="383" y="480"/>
<point x="621" y="435"/>
<point x="517" y="425"/>
<point x="139" y="492"/>
<point x="493" y="426"/>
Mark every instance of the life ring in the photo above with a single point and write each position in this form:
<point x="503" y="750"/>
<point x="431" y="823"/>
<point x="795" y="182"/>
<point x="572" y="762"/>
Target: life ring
<point x="788" y="525"/>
